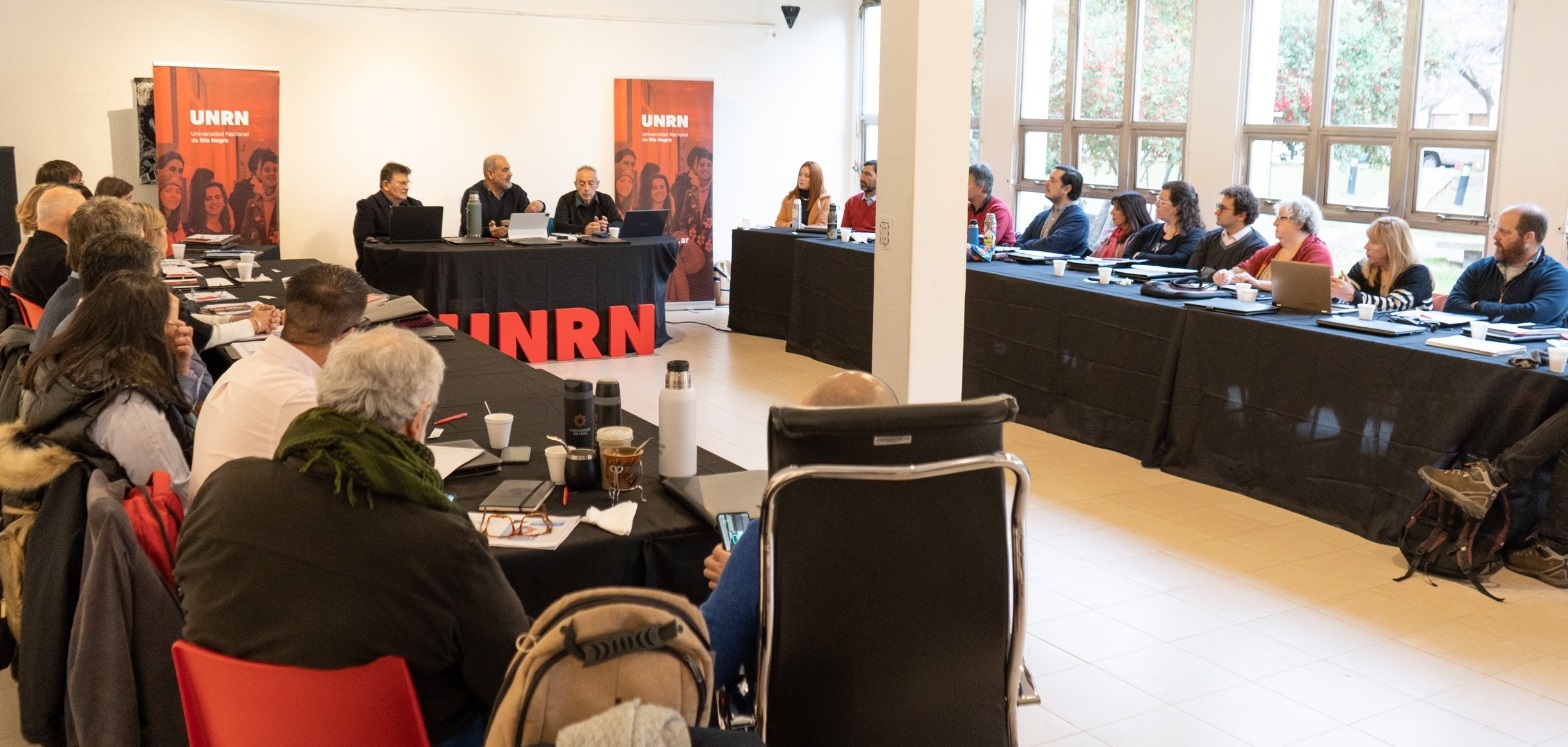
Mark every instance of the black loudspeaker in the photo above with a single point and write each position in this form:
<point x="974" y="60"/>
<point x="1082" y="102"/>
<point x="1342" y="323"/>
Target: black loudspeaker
<point x="10" y="232"/>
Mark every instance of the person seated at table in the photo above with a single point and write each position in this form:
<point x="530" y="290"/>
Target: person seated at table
<point x="113" y="186"/>
<point x="1528" y="285"/>
<point x="373" y="215"/>
<point x="981" y="204"/>
<point x="860" y="211"/>
<point x="1172" y="238"/>
<point x="1063" y="227"/>
<point x="735" y="576"/>
<point x="1129" y="214"/>
<point x="91" y="219"/>
<point x="498" y="199"/>
<point x="127" y="359"/>
<point x="343" y="547"/>
<point x="1296" y="222"/>
<point x="102" y="255"/>
<point x="255" y="400"/>
<point x="59" y="172"/>
<point x="40" y="267"/>
<point x="586" y="210"/>
<point x="1389" y="277"/>
<point x="808" y="197"/>
<point x="1233" y="239"/>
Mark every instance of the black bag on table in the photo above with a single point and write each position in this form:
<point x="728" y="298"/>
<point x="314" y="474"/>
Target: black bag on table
<point x="1188" y="288"/>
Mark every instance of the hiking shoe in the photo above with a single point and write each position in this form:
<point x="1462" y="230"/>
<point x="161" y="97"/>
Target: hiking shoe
<point x="1472" y="487"/>
<point x="1541" y="562"/>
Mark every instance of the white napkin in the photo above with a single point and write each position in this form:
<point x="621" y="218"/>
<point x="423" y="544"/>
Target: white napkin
<point x="617" y="519"/>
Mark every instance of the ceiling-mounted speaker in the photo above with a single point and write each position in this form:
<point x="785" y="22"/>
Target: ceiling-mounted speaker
<point x="791" y="12"/>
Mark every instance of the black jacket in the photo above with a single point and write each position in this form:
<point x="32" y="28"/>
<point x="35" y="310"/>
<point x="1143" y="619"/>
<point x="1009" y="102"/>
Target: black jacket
<point x="40" y="268"/>
<point x="1212" y="254"/>
<point x="373" y="217"/>
<point x="1149" y="246"/>
<point x="571" y="216"/>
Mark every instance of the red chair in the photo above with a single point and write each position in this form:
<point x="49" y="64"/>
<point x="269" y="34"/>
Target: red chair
<point x="1439" y="300"/>
<point x="235" y="703"/>
<point x="31" y="312"/>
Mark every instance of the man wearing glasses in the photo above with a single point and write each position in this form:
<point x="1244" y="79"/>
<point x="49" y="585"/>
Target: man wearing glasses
<point x="586" y="210"/>
<point x="1234" y="239"/>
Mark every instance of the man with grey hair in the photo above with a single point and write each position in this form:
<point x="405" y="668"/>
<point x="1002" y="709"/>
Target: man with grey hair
<point x="981" y="204"/>
<point x="252" y="404"/>
<point x="498" y="199"/>
<point x="585" y="209"/>
<point x="40" y="266"/>
<point x="92" y="219"/>
<point x="343" y="547"/>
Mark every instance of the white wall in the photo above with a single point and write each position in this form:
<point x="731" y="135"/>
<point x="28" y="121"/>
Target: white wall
<point x="1532" y="155"/>
<point x="440" y="90"/>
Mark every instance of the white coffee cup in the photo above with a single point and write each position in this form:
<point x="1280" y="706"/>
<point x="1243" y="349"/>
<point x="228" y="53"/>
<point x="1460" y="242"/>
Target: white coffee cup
<point x="499" y="425"/>
<point x="1242" y="286"/>
<point x="1557" y="358"/>
<point x="1366" y="310"/>
<point x="1105" y="276"/>
<point x="1058" y="267"/>
<point x="555" y="456"/>
<point x="247" y="256"/>
<point x="247" y="269"/>
<point x="615" y="232"/>
<point x="745" y="224"/>
<point x="1248" y="294"/>
<point x="1478" y="329"/>
<point x="179" y="251"/>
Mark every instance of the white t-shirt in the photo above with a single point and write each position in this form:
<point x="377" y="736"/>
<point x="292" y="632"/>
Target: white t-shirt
<point x="250" y="407"/>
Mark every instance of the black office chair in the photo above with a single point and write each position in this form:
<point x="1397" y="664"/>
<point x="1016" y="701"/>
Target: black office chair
<point x="892" y="577"/>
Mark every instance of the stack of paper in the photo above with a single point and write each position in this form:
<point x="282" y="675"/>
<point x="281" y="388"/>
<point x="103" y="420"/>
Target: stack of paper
<point x="1468" y="344"/>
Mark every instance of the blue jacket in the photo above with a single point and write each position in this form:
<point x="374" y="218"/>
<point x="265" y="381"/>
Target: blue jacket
<point x="1070" y="235"/>
<point x="1539" y="294"/>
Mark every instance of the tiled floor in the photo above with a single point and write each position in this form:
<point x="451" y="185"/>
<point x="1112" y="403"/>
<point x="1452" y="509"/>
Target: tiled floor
<point x="1164" y="612"/>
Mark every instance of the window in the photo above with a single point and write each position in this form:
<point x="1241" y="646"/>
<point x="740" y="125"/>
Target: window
<point x="1104" y="87"/>
<point x="1399" y="119"/>
<point x="871" y="72"/>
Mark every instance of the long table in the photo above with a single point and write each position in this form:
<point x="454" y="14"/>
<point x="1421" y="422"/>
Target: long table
<point x="811" y="292"/>
<point x="1327" y="423"/>
<point x="668" y="541"/>
<point x="499" y="277"/>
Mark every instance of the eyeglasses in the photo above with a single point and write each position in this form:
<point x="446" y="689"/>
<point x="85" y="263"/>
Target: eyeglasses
<point x="501" y="526"/>
<point x="1222" y="207"/>
<point x="589" y="183"/>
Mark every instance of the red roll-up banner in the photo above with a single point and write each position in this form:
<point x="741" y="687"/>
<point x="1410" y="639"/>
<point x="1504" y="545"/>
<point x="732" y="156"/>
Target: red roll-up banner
<point x="664" y="159"/>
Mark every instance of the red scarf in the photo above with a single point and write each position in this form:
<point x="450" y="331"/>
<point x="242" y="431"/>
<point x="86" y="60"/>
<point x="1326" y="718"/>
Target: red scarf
<point x="1112" y="246"/>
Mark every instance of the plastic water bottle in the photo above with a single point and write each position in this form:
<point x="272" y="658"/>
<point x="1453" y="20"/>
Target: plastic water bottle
<point x="990" y="233"/>
<point x="832" y="220"/>
<point x="974" y="233"/>
<point x="677" y="422"/>
<point x="474" y="214"/>
<point x="794" y="213"/>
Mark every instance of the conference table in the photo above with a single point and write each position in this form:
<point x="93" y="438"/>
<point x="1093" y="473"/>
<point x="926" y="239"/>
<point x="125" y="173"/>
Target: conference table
<point x="814" y="293"/>
<point x="497" y="277"/>
<point x="1330" y="424"/>
<point x="668" y="542"/>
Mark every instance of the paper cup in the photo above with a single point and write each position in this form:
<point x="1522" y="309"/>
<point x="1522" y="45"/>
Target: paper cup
<point x="1058" y="267"/>
<point x="247" y="270"/>
<point x="615" y="232"/>
<point x="1247" y="294"/>
<point x="1557" y="358"/>
<point x="555" y="456"/>
<point x="1105" y="276"/>
<point x="1366" y="310"/>
<point x="745" y="224"/>
<point x="247" y="256"/>
<point x="1478" y="329"/>
<point x="499" y="426"/>
<point x="179" y="251"/>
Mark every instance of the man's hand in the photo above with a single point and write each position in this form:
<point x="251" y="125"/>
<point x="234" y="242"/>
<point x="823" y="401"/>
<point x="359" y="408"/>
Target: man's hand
<point x="713" y="566"/>
<point x="180" y="341"/>
<point x="263" y="318"/>
<point x="537" y="206"/>
<point x="497" y="232"/>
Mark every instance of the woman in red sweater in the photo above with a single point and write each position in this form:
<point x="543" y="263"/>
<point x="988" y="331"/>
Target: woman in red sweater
<point x="1296" y="223"/>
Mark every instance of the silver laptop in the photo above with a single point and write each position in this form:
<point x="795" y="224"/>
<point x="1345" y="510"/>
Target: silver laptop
<point x="529" y="229"/>
<point x="1301" y="285"/>
<point x="730" y="492"/>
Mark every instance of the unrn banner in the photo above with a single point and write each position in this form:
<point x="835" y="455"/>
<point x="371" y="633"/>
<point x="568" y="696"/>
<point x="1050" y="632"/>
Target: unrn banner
<point x="217" y="168"/>
<point x="664" y="160"/>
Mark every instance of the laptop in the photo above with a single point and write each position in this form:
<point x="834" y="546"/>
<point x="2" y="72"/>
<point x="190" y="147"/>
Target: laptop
<point x="412" y="225"/>
<point x="1233" y="306"/>
<point x="1301" y="285"/>
<point x="1145" y="273"/>
<point x="730" y="492"/>
<point x="529" y="229"/>
<point x="642" y="224"/>
<point x="1371" y="326"/>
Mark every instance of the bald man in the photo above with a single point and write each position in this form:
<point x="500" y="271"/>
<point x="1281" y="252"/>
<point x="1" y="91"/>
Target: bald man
<point x="498" y="199"/>
<point x="40" y="267"/>
<point x="731" y="612"/>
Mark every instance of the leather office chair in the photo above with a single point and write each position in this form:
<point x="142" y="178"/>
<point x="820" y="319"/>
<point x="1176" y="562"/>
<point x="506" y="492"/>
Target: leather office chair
<point x="892" y="577"/>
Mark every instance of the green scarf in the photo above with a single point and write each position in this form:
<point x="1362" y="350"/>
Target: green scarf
<point x="365" y="455"/>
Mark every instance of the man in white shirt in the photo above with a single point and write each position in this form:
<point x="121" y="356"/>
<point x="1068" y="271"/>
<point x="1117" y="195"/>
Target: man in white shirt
<point x="254" y="401"/>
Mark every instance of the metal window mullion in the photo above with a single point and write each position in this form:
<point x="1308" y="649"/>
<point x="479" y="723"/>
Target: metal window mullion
<point x="1313" y="175"/>
<point x="1128" y="168"/>
<point x="1400" y="162"/>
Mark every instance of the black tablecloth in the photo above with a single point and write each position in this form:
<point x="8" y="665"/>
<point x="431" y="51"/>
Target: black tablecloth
<point x="499" y="277"/>
<point x="762" y="269"/>
<point x="831" y="304"/>
<point x="668" y="541"/>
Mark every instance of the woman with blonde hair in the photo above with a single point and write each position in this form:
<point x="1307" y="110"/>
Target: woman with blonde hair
<point x="1389" y="277"/>
<point x="155" y="228"/>
<point x="809" y="196"/>
<point x="27" y="209"/>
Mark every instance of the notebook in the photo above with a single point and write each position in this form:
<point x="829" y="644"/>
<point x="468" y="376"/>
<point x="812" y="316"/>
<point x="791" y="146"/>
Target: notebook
<point x="642" y="224"/>
<point x="1028" y="256"/>
<point x="1372" y="326"/>
<point x="412" y="225"/>
<point x="1301" y="285"/>
<point x="1468" y="344"/>
<point x="1151" y="272"/>
<point x="711" y="495"/>
<point x="1233" y="306"/>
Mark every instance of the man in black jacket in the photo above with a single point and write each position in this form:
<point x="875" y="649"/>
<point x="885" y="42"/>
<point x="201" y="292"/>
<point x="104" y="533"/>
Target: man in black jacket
<point x="585" y="209"/>
<point x="1234" y="239"/>
<point x="40" y="267"/>
<point x="373" y="215"/>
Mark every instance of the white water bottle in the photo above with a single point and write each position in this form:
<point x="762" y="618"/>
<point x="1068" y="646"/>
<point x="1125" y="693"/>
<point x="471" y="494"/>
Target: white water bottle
<point x="677" y="422"/>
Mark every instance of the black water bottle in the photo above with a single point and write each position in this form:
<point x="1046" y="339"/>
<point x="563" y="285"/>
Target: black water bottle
<point x="607" y="403"/>
<point x="578" y="406"/>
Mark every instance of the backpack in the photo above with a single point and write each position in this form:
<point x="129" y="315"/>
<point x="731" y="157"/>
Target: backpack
<point x="594" y="649"/>
<point x="1440" y="539"/>
<point x="156" y="514"/>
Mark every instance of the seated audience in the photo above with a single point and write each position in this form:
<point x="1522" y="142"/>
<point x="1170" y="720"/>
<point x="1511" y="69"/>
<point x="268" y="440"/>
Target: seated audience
<point x="1389" y="277"/>
<point x="373" y="215"/>
<point x="981" y="204"/>
<point x="1234" y="239"/>
<point x="128" y="360"/>
<point x="41" y="268"/>
<point x="586" y="210"/>
<point x="58" y="172"/>
<point x="808" y="196"/>
<point x="498" y="199"/>
<point x="1063" y="227"/>
<point x="344" y="548"/>
<point x="95" y="217"/>
<point x="113" y="186"/>
<point x="860" y="211"/>
<point x="1296" y="222"/>
<point x="251" y="405"/>
<point x="1129" y="214"/>
<point x="1526" y="283"/>
<point x="735" y="576"/>
<point x="1172" y="239"/>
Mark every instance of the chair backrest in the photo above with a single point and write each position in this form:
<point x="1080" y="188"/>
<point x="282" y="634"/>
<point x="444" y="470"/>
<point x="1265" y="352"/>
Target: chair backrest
<point x="892" y="589"/>
<point x="31" y="312"/>
<point x="1439" y="300"/>
<point x="236" y="703"/>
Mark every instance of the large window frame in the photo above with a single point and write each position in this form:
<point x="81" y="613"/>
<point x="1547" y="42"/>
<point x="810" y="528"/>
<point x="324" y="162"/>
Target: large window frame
<point x="867" y="123"/>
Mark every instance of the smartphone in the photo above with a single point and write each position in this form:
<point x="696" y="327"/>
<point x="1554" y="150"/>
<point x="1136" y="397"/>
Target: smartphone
<point x="517" y="496"/>
<point x="515" y="454"/>
<point x="731" y="527"/>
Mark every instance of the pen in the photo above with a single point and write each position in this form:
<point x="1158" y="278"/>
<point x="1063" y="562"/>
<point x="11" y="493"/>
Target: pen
<point x="450" y="418"/>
